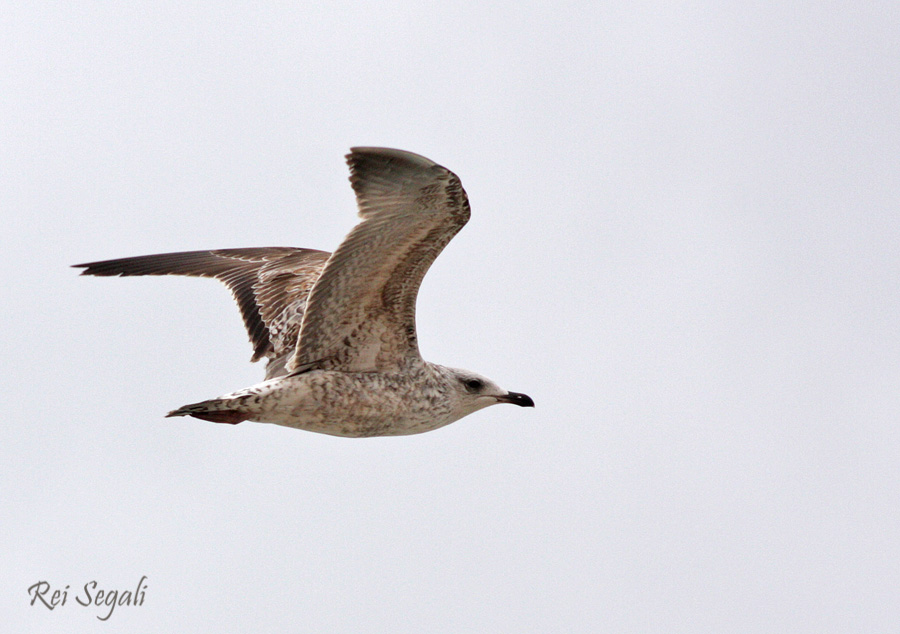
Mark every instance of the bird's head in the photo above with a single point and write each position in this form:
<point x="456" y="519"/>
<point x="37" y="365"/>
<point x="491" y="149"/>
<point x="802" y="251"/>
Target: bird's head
<point x="472" y="392"/>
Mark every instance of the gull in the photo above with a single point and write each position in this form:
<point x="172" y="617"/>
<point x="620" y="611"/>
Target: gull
<point x="338" y="329"/>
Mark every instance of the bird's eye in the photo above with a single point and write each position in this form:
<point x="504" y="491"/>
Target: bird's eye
<point x="474" y="385"/>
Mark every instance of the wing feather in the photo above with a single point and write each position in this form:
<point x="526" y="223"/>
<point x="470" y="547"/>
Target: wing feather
<point x="270" y="285"/>
<point x="360" y="314"/>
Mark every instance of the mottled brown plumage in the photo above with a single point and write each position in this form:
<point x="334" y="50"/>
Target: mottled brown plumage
<point x="339" y="329"/>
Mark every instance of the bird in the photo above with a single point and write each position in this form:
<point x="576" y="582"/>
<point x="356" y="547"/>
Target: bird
<point x="338" y="330"/>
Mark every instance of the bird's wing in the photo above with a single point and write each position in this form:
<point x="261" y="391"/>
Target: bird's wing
<point x="270" y="285"/>
<point x="361" y="312"/>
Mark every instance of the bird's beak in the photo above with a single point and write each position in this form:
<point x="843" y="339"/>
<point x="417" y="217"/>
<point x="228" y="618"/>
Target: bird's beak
<point x="522" y="400"/>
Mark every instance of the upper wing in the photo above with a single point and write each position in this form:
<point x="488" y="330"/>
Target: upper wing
<point x="361" y="312"/>
<point x="270" y="284"/>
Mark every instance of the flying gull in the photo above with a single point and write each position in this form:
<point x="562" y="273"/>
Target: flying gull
<point x="338" y="329"/>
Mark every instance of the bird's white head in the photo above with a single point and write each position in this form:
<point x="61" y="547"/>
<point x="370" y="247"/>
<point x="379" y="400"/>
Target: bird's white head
<point x="471" y="392"/>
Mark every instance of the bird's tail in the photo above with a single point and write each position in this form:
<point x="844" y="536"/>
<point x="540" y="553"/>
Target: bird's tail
<point x="217" y="410"/>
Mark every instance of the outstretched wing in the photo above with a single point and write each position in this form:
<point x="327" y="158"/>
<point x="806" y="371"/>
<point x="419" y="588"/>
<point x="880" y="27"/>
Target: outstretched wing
<point x="361" y="312"/>
<point x="270" y="284"/>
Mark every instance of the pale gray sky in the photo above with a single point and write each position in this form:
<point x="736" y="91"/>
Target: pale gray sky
<point x="684" y="246"/>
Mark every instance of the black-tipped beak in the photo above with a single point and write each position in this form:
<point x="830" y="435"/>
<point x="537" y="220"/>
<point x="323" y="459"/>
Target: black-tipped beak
<point x="522" y="400"/>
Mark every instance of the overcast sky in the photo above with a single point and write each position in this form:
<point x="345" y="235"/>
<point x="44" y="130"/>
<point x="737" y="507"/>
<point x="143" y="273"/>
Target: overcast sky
<point x="683" y="246"/>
